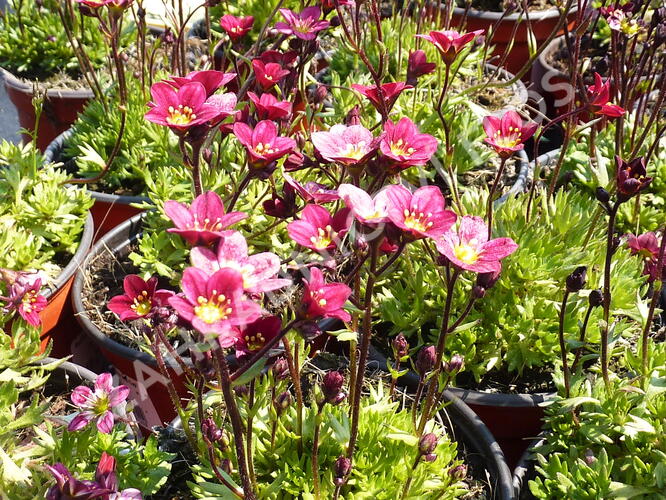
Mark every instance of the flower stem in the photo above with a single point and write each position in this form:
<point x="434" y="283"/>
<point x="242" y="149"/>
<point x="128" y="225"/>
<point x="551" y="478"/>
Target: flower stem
<point x="491" y="194"/>
<point x="563" y="349"/>
<point x="607" y="293"/>
<point x="248" y="436"/>
<point x="581" y="339"/>
<point x="296" y="380"/>
<point x="408" y="483"/>
<point x="315" y="453"/>
<point x="653" y="304"/>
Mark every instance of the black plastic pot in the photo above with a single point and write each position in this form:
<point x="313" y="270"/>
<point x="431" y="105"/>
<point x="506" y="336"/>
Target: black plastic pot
<point x="67" y="376"/>
<point x="109" y="210"/>
<point x="525" y="471"/>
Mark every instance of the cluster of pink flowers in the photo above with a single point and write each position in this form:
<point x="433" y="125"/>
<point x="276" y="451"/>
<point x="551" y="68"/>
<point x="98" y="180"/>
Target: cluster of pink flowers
<point x="24" y="295"/>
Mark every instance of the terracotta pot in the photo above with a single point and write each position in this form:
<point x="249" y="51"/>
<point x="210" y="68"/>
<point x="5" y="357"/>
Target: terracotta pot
<point x="61" y="108"/>
<point x="542" y="24"/>
<point x="58" y="324"/>
<point x="552" y="84"/>
<point x="109" y="210"/>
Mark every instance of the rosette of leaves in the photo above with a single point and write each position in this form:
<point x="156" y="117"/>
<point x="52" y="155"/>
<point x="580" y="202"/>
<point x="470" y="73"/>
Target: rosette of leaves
<point x="34" y="45"/>
<point x="515" y="326"/>
<point x="606" y="443"/>
<point x="41" y="218"/>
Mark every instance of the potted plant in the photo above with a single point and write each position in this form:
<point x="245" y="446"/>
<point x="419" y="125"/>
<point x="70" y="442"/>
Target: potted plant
<point x="43" y="75"/>
<point x="47" y="232"/>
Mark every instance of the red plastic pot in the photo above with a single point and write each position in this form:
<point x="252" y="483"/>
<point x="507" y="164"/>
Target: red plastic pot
<point x="58" y="325"/>
<point x="109" y="210"/>
<point x="552" y="84"/>
<point x="60" y="110"/>
<point x="542" y="24"/>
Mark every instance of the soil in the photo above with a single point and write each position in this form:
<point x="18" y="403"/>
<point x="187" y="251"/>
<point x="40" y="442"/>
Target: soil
<point x="59" y="81"/>
<point x="483" y="175"/>
<point x="502" y="5"/>
<point x="591" y="48"/>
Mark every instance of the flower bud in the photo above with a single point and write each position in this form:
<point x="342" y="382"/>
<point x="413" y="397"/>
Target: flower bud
<point x="454" y="365"/>
<point x="400" y="346"/>
<point x="353" y="116"/>
<point x="280" y="369"/>
<point x="282" y="402"/>
<point x="319" y="94"/>
<point x="341" y="470"/>
<point x="589" y="457"/>
<point x="487" y="280"/>
<point x="207" y="155"/>
<point x="211" y="432"/>
<point x="294" y="161"/>
<point x="602" y="195"/>
<point x="425" y="360"/>
<point x="335" y="21"/>
<point x="331" y="387"/>
<point x="478" y="292"/>
<point x="459" y="472"/>
<point x="242" y="391"/>
<point x="428" y="443"/>
<point x="430" y="457"/>
<point x="227" y="466"/>
<point x="596" y="298"/>
<point x="576" y="280"/>
<point x="442" y="260"/>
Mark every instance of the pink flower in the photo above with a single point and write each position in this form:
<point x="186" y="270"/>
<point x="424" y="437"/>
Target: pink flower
<point x="25" y="298"/>
<point x="419" y="214"/>
<point x="268" y="74"/>
<point x="98" y="404"/>
<point x="253" y="336"/>
<point x="646" y="246"/>
<point x="180" y="109"/>
<point x="258" y="271"/>
<point x="598" y="96"/>
<point x="417" y="66"/>
<point x="263" y="144"/>
<point x="321" y="300"/>
<point x="312" y="191"/>
<point x="508" y="134"/>
<point x="211" y="80"/>
<point x="284" y="59"/>
<point x="203" y="222"/>
<point x="345" y="145"/>
<point x="215" y="304"/>
<point x="469" y="248"/>
<point x="236" y="27"/>
<point x="365" y="209"/>
<point x="384" y="98"/>
<point x="140" y="298"/>
<point x="450" y="43"/>
<point x="305" y="25"/>
<point x="405" y="146"/>
<point x="268" y="107"/>
<point x="317" y="229"/>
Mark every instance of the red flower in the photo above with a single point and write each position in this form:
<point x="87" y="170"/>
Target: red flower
<point x="384" y="101"/>
<point x="631" y="177"/>
<point x="311" y="191"/>
<point x="417" y="66"/>
<point x="450" y="43"/>
<point x="647" y="246"/>
<point x="405" y="146"/>
<point x="268" y="107"/>
<point x="469" y="248"/>
<point x="420" y="214"/>
<point x="321" y="300"/>
<point x="211" y="80"/>
<point x="203" y="222"/>
<point x="598" y="96"/>
<point x="268" y="74"/>
<point x="139" y="300"/>
<point x="253" y="336"/>
<point x="236" y="27"/>
<point x="284" y="59"/>
<point x="215" y="304"/>
<point x="180" y="109"/>
<point x="346" y="145"/>
<point x="263" y="144"/>
<point x="317" y="229"/>
<point x="305" y="25"/>
<point x="508" y="134"/>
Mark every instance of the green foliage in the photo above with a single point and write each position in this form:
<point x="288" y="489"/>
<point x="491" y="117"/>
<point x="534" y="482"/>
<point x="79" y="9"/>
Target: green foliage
<point x="34" y="45"/>
<point x="614" y="448"/>
<point x="41" y="219"/>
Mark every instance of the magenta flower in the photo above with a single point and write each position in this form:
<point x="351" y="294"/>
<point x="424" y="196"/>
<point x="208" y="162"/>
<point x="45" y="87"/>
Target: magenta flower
<point x="258" y="271"/>
<point x="268" y="74"/>
<point x="598" y="96"/>
<point x="215" y="304"/>
<point x="365" y="209"/>
<point x="470" y="249"/>
<point x="25" y="298"/>
<point x="317" y="229"/>
<point x="508" y="134"/>
<point x="312" y="191"/>
<point x="211" y="80"/>
<point x="255" y="335"/>
<point x="236" y="27"/>
<point x="140" y="298"/>
<point x="305" y="25"/>
<point x="417" y="66"/>
<point x="225" y="104"/>
<point x="419" y="214"/>
<point x="383" y="99"/>
<point x="647" y="247"/>
<point x="631" y="177"/>
<point x="180" y="109"/>
<point x="93" y="4"/>
<point x="322" y="300"/>
<point x="405" y="146"/>
<point x="99" y="404"/>
<point x="203" y="222"/>
<point x="105" y="476"/>
<point x="263" y="144"/>
<point x="268" y="107"/>
<point x="450" y="43"/>
<point x="283" y="59"/>
<point x="345" y="145"/>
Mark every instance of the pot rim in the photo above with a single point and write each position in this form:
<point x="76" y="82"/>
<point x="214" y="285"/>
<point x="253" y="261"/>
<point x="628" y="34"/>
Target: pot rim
<point x="52" y="155"/>
<point x="14" y="82"/>
<point x="524" y="465"/>
<point x="538" y="15"/>
<point x="70" y="368"/>
<point x="554" y="44"/>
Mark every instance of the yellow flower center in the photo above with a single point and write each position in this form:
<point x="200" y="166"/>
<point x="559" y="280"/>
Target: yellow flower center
<point x="264" y="148"/>
<point x="508" y="141"/>
<point x="214" y="309"/>
<point x="142" y="304"/>
<point x="401" y="148"/>
<point x="182" y="115"/>
<point x="354" y="151"/>
<point x="255" y="342"/>
<point x="28" y="300"/>
<point x="466" y="253"/>
<point x="206" y="224"/>
<point x="325" y="236"/>
<point x="101" y="405"/>
<point x="315" y="297"/>
<point x="417" y="220"/>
